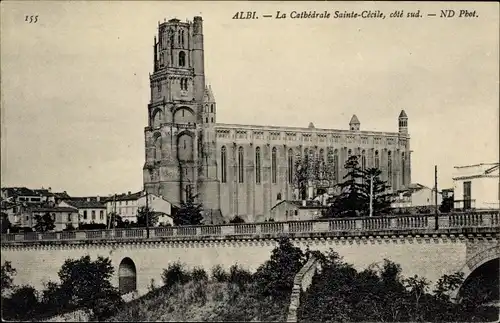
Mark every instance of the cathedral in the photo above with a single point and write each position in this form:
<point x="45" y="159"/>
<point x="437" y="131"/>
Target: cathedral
<point x="237" y="169"/>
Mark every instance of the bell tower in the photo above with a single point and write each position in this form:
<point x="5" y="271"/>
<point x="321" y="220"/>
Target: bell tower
<point x="176" y="133"/>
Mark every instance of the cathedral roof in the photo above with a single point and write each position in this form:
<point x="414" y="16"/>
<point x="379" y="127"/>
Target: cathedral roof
<point x="403" y="114"/>
<point x="208" y="96"/>
<point x="354" y="120"/>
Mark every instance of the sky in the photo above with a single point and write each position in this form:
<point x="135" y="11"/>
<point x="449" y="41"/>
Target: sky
<point x="75" y="85"/>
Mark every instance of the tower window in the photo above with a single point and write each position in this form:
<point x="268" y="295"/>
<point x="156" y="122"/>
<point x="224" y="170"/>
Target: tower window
<point x="240" y="165"/>
<point x="377" y="160"/>
<point x="335" y="165"/>
<point x="223" y="162"/>
<point x="212" y="119"/>
<point x="212" y="108"/>
<point x="273" y="165"/>
<point x="403" y="168"/>
<point x="389" y="168"/>
<point x="290" y="166"/>
<point x="182" y="59"/>
<point x="159" y="86"/>
<point x="206" y="119"/>
<point x="257" y="165"/>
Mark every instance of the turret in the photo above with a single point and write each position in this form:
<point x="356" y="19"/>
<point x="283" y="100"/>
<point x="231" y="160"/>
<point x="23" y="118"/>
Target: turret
<point x="354" y="123"/>
<point x="210" y="109"/>
<point x="403" y="123"/>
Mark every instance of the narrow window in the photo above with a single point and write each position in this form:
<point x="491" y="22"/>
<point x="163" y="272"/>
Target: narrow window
<point x="389" y="168"/>
<point x="240" y="165"/>
<point x="403" y="168"/>
<point x="467" y="195"/>
<point x="212" y="120"/>
<point x="212" y="108"/>
<point x="290" y="166"/>
<point x="159" y="86"/>
<point x="206" y="119"/>
<point x="69" y="217"/>
<point x="223" y="162"/>
<point x="273" y="165"/>
<point x="321" y="163"/>
<point x="93" y="215"/>
<point x="184" y="143"/>
<point x="278" y="196"/>
<point x="257" y="165"/>
<point x="363" y="160"/>
<point x="377" y="160"/>
<point x="85" y="215"/>
<point x="101" y="215"/>
<point x="182" y="59"/>
<point x="336" y="166"/>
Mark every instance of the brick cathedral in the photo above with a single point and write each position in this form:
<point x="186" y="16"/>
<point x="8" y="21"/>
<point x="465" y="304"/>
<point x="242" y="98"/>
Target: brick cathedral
<point x="241" y="169"/>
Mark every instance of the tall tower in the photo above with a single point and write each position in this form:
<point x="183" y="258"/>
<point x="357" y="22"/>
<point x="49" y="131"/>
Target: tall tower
<point x="403" y="123"/>
<point x="176" y="135"/>
<point x="405" y="151"/>
<point x="354" y="123"/>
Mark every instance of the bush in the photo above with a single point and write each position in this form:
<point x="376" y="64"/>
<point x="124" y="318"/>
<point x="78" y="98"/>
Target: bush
<point x="22" y="304"/>
<point x="199" y="274"/>
<point x="175" y="274"/>
<point x="239" y="276"/>
<point x="219" y="274"/>
<point x="237" y="219"/>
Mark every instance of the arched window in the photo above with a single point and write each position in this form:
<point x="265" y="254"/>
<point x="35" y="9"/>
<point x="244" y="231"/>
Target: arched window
<point x="182" y="39"/>
<point x="212" y="108"/>
<point x="389" y="168"/>
<point x="377" y="160"/>
<point x="206" y="120"/>
<point x="290" y="165"/>
<point x="273" y="166"/>
<point x="321" y="163"/>
<point x="223" y="163"/>
<point x="182" y="59"/>
<point x="278" y="196"/>
<point x="403" y="168"/>
<point x="336" y="165"/>
<point x="240" y="165"/>
<point x="257" y="165"/>
<point x="363" y="160"/>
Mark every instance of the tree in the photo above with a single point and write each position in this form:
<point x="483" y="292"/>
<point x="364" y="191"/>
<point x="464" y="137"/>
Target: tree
<point x="22" y="304"/>
<point x="308" y="170"/>
<point x="5" y="223"/>
<point x="189" y="213"/>
<point x="446" y="205"/>
<point x="146" y="217"/>
<point x="114" y="220"/>
<point x="352" y="200"/>
<point x="44" y="222"/>
<point x="381" y="199"/>
<point x="237" y="219"/>
<point x="7" y="276"/>
<point x="87" y="285"/>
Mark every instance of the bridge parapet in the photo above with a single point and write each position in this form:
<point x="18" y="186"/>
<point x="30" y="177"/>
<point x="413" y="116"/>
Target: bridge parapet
<point x="367" y="226"/>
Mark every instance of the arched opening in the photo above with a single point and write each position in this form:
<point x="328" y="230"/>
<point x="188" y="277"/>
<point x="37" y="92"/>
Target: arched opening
<point x="481" y="286"/>
<point x="127" y="276"/>
<point x="185" y="147"/>
<point x="182" y="59"/>
<point x="157" y="118"/>
<point x="184" y="115"/>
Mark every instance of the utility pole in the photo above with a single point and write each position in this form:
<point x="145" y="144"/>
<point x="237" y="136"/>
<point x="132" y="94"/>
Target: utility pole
<point x="436" y="196"/>
<point x="147" y="216"/>
<point x="371" y="195"/>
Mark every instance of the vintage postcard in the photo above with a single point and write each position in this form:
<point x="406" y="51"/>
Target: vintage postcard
<point x="250" y="161"/>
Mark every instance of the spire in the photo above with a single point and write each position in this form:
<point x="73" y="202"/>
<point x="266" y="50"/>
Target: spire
<point x="208" y="95"/>
<point x="354" y="120"/>
<point x="403" y="114"/>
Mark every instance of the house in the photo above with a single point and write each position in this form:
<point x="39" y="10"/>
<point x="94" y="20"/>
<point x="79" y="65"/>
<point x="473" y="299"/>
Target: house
<point x="476" y="187"/>
<point x="289" y="210"/>
<point x="22" y="195"/>
<point x="416" y="196"/>
<point x="127" y="206"/>
<point x="62" y="216"/>
<point x="90" y="209"/>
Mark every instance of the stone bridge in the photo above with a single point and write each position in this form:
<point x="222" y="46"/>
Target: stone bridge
<point x="466" y="242"/>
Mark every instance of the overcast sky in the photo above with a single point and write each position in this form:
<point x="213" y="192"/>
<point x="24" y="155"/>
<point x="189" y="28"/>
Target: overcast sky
<point x="75" y="85"/>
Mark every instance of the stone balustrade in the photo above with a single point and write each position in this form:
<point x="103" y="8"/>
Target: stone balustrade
<point x="367" y="226"/>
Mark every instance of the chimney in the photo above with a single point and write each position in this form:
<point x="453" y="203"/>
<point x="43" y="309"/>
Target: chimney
<point x="98" y="198"/>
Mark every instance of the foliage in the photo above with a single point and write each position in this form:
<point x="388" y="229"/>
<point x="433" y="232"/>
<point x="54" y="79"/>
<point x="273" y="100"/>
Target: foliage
<point x="239" y="276"/>
<point x="175" y="274"/>
<point x="237" y="219"/>
<point x="87" y="285"/>
<point x="7" y="276"/>
<point x="114" y="220"/>
<point x="354" y="199"/>
<point x="5" y="224"/>
<point x="275" y="277"/>
<point x="22" y="304"/>
<point x="199" y="274"/>
<point x="69" y="227"/>
<point x="146" y="217"/>
<point x="446" y="205"/>
<point x="219" y="274"/>
<point x="380" y="294"/>
<point x="44" y="222"/>
<point x="189" y="213"/>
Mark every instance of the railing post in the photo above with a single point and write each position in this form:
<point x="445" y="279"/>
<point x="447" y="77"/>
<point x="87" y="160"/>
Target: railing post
<point x="258" y="228"/>
<point x="359" y="224"/>
<point x="286" y="227"/>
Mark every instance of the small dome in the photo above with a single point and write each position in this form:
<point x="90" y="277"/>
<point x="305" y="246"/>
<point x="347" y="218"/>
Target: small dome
<point x="311" y="125"/>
